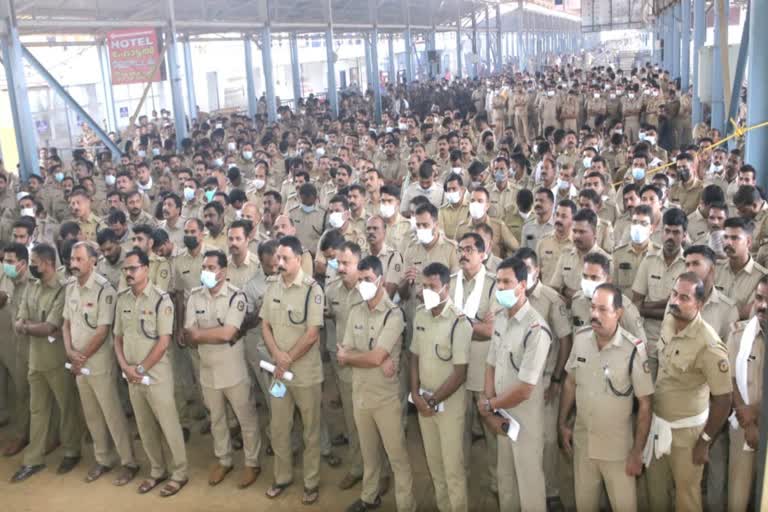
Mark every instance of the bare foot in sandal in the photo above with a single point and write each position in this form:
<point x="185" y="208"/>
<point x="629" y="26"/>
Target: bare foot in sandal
<point x="172" y="488"/>
<point x="150" y="483"/>
<point x="276" y="490"/>
<point x="310" y="496"/>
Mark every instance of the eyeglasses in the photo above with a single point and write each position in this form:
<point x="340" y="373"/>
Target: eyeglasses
<point x="132" y="269"/>
<point x="468" y="249"/>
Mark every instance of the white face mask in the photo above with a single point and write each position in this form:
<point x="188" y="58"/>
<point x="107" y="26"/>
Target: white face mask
<point x="110" y="179"/>
<point x="425" y="236"/>
<point x="247" y="155"/>
<point x="367" y="290"/>
<point x="456" y="170"/>
<point x="386" y="210"/>
<point x="631" y="96"/>
<point x="650" y="139"/>
<point x="231" y="146"/>
<point x="715" y="169"/>
<point x="27" y="212"/>
<point x="587" y="162"/>
<point x="477" y="210"/>
<point x="336" y="219"/>
<point x="453" y="197"/>
<point x="431" y="299"/>
<point x="525" y="215"/>
<point x="588" y="287"/>
<point x="259" y="184"/>
<point x="639" y="233"/>
<point x="562" y="184"/>
<point x="596" y="95"/>
<point x="531" y="281"/>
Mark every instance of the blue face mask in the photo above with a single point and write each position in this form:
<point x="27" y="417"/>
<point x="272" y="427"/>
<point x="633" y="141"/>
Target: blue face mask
<point x="506" y="298"/>
<point x="307" y="208"/>
<point x="334" y="264"/>
<point x="638" y="173"/>
<point x="10" y="270"/>
<point x="277" y="389"/>
<point x="59" y="176"/>
<point x="500" y="176"/>
<point x="209" y="195"/>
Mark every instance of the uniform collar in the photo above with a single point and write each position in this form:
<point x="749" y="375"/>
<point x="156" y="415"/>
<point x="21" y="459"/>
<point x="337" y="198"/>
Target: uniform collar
<point x="221" y="292"/>
<point x="90" y="283"/>
<point x="246" y="262"/>
<point x="518" y="317"/>
<point x="296" y="282"/>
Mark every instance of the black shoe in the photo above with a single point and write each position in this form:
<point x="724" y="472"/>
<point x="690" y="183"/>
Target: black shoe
<point x="25" y="472"/>
<point x="361" y="506"/>
<point x="186" y="433"/>
<point x="339" y="440"/>
<point x="67" y="465"/>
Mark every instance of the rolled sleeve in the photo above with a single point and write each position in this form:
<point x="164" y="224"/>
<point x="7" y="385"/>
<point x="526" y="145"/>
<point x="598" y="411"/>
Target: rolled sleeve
<point x="535" y="356"/>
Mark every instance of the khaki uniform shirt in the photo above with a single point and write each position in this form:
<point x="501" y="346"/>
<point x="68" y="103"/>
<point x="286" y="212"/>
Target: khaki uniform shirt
<point x="143" y="218"/>
<point x="720" y="313"/>
<point x="740" y="286"/>
<point x="338" y="303"/>
<point x="518" y="352"/>
<point x="309" y="226"/>
<point x="367" y="329"/>
<point x="504" y="242"/>
<point x="697" y="225"/>
<point x="222" y="365"/>
<point x="160" y="273"/>
<point x="113" y="273"/>
<point x="417" y="255"/>
<point x="393" y="169"/>
<point x="350" y="235"/>
<point x="631" y="321"/>
<point x="552" y="308"/>
<point x="44" y="303"/>
<point x="89" y="227"/>
<point x="478" y="349"/>
<point x="141" y="320"/>
<point x="687" y="196"/>
<point x="607" y="380"/>
<point x="755" y="360"/>
<point x="604" y="235"/>
<point x="176" y="235"/>
<point x="654" y="281"/>
<point x="693" y="364"/>
<point x="290" y="310"/>
<point x="548" y="251"/>
<point x="503" y="201"/>
<point x="238" y="276"/>
<point x="399" y="233"/>
<point x="187" y="270"/>
<point x="87" y="308"/>
<point x="534" y="231"/>
<point x="450" y="216"/>
<point x="392" y="263"/>
<point x="217" y="242"/>
<point x="626" y="261"/>
<point x="442" y="342"/>
<point x="569" y="268"/>
<point x="435" y="194"/>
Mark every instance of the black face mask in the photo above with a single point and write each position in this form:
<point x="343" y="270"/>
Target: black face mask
<point x="489" y="146"/>
<point x="35" y="271"/>
<point x="684" y="174"/>
<point x="191" y="242"/>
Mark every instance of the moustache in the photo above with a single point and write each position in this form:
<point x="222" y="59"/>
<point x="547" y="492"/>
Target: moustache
<point x="558" y="224"/>
<point x="280" y="269"/>
<point x="463" y="260"/>
<point x="595" y="322"/>
<point x="728" y="249"/>
<point x="674" y="308"/>
<point x="762" y="311"/>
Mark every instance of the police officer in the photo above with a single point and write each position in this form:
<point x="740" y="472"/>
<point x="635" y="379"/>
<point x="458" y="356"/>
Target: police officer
<point x="243" y="264"/>
<point x="515" y="365"/>
<point x="89" y="312"/>
<point x="607" y="371"/>
<point x="159" y="267"/>
<point x="13" y="283"/>
<point x="341" y="294"/>
<point x="40" y="317"/>
<point x="738" y="275"/>
<point x="214" y="315"/>
<point x="372" y="347"/>
<point x="439" y="358"/>
<point x="628" y="256"/>
<point x="691" y="402"/>
<point x="292" y="315"/>
<point x="143" y="327"/>
<point x="746" y="353"/>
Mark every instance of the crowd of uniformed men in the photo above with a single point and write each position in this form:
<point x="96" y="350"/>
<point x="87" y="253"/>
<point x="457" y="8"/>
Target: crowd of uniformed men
<point x="515" y="270"/>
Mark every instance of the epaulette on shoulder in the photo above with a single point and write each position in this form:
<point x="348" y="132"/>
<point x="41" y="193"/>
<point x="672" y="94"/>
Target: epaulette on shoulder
<point x="620" y="246"/>
<point x="272" y="279"/>
<point x="583" y="330"/>
<point x="123" y="291"/>
<point x="196" y="289"/>
<point x="309" y="281"/>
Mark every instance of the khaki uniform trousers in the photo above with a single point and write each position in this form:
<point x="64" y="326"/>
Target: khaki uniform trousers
<point x="632" y="129"/>
<point x="716" y="471"/>
<point x="45" y="387"/>
<point x="375" y="426"/>
<point x="570" y="125"/>
<point x="521" y="472"/>
<point x="441" y="434"/>
<point x="308" y="401"/>
<point x="741" y="473"/>
<point x="105" y="419"/>
<point x="255" y="352"/>
<point x="520" y="125"/>
<point x="20" y="380"/>
<point x="354" y="455"/>
<point x="590" y="475"/>
<point x="238" y="397"/>
<point x="676" y="469"/>
<point x="491" y="441"/>
<point x="186" y="387"/>
<point x="156" y="419"/>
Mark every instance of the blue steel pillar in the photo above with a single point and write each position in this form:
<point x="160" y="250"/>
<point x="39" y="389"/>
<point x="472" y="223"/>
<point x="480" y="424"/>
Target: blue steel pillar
<point x="392" y="65"/>
<point x="487" y="39"/>
<point x="432" y="46"/>
<point x="367" y="52"/>
<point x="266" y="59"/>
<point x="699" y="35"/>
<point x="189" y="78"/>
<point x="499" y="43"/>
<point x="250" y="83"/>
<point x="718" y="99"/>
<point x="741" y="64"/>
<point x="757" y="100"/>
<point x="474" y="46"/>
<point x="333" y="98"/>
<point x="376" y="85"/>
<point x="676" y="14"/>
<point x="106" y="80"/>
<point x="295" y="68"/>
<point x="174" y="75"/>
<point x="685" y="61"/>
<point x="23" y="125"/>
<point x="408" y="55"/>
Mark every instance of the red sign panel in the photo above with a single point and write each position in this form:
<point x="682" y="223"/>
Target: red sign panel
<point x="133" y="56"/>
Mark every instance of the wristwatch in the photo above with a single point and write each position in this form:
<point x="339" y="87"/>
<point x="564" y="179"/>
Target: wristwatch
<point x="705" y="437"/>
<point x="556" y="380"/>
<point x="432" y="403"/>
<point x="140" y="369"/>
